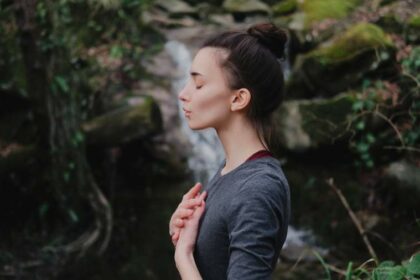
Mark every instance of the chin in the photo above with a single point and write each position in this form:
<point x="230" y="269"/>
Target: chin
<point x="198" y="126"/>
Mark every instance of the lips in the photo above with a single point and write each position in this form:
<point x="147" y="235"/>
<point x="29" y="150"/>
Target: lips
<point x="186" y="111"/>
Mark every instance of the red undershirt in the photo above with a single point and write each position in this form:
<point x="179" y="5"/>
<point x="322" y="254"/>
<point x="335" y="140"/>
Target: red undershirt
<point x="260" y="154"/>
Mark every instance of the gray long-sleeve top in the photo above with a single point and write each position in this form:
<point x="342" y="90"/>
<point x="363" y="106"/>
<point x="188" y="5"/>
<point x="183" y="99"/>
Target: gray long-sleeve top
<point x="244" y="225"/>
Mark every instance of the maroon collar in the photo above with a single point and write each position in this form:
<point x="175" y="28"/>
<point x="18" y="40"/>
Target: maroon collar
<point x="260" y="154"/>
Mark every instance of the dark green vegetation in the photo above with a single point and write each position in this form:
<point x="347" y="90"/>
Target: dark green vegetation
<point x="86" y="193"/>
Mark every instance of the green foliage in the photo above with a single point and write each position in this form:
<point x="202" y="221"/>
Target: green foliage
<point x="395" y="104"/>
<point x="385" y="270"/>
<point x="85" y="52"/>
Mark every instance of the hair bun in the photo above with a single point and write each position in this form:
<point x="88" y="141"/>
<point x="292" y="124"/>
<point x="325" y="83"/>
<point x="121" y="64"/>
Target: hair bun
<point x="271" y="37"/>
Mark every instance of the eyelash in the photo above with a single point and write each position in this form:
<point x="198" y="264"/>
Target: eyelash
<point x="198" y="87"/>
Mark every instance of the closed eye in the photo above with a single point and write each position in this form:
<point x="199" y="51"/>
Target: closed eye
<point x="198" y="87"/>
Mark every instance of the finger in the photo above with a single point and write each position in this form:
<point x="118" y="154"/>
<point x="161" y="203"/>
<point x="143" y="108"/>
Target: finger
<point x="175" y="238"/>
<point x="179" y="222"/>
<point x="192" y="192"/>
<point x="202" y="196"/>
<point x="200" y="210"/>
<point x="190" y="203"/>
<point x="184" y="213"/>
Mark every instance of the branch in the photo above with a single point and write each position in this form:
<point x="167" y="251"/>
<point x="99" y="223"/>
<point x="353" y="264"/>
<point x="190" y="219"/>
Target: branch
<point x="353" y="217"/>
<point x="376" y="112"/>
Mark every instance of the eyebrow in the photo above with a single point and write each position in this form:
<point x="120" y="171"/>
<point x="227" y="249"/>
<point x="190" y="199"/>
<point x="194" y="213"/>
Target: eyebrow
<point x="194" y="74"/>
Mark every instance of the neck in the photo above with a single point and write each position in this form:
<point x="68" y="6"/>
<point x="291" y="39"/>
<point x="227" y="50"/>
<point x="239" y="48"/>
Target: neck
<point x="240" y="140"/>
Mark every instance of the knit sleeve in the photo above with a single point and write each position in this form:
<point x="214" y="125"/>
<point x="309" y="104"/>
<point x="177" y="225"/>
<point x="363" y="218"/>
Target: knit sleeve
<point x="256" y="221"/>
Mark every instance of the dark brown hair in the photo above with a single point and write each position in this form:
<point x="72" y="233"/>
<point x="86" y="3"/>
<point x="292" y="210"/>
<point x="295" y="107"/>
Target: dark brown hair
<point x="253" y="63"/>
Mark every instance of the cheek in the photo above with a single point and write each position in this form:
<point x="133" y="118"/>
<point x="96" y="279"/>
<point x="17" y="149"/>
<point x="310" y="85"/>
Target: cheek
<point x="214" y="103"/>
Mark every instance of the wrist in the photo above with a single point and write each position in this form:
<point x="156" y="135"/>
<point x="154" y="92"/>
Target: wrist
<point x="186" y="266"/>
<point x="184" y="257"/>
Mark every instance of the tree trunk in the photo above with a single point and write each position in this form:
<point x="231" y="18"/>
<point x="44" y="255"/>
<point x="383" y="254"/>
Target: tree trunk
<point x="57" y="114"/>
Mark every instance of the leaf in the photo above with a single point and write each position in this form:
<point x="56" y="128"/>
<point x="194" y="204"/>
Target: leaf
<point x="413" y="267"/>
<point x="362" y="147"/>
<point x="386" y="271"/>
<point x="62" y="83"/>
<point x="79" y="137"/>
<point x="116" y="51"/>
<point x="349" y="273"/>
<point x="73" y="216"/>
<point x="358" y="105"/>
<point x="370" y="138"/>
<point x="327" y="271"/>
<point x="43" y="209"/>
<point x="360" y="125"/>
<point x="66" y="177"/>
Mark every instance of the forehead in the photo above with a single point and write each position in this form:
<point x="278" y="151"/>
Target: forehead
<point x="208" y="60"/>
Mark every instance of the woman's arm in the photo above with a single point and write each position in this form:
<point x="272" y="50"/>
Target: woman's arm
<point x="184" y="249"/>
<point x="257" y="221"/>
<point x="186" y="266"/>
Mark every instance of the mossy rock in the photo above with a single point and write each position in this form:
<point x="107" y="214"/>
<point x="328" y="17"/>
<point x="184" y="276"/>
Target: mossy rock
<point x="318" y="10"/>
<point x="284" y="7"/>
<point x="137" y="118"/>
<point x="413" y="29"/>
<point x="309" y="124"/>
<point x="309" y="13"/>
<point x="390" y="23"/>
<point x="246" y="7"/>
<point x="341" y="62"/>
<point x="176" y="8"/>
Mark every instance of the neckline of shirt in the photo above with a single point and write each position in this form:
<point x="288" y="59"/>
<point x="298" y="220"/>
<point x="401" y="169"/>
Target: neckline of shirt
<point x="245" y="163"/>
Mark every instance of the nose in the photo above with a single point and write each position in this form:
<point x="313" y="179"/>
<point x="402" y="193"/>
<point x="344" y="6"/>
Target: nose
<point x="183" y="96"/>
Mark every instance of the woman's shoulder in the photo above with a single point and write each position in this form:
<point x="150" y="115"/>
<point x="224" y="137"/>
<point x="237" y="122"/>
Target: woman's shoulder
<point x="264" y="176"/>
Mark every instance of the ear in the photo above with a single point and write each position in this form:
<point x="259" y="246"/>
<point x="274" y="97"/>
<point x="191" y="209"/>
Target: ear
<point x="240" y="99"/>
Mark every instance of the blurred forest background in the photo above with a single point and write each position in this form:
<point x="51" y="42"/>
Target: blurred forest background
<point x="95" y="154"/>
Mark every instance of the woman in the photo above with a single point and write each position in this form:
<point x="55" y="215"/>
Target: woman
<point x="236" y="84"/>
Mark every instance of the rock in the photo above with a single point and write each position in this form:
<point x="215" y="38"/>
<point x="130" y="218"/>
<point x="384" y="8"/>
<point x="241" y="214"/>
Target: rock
<point x="296" y="246"/>
<point x="413" y="30"/>
<point x="305" y="124"/>
<point x="222" y="19"/>
<point x="243" y="8"/>
<point x="135" y="118"/>
<point x="317" y="21"/>
<point x="341" y="62"/>
<point x="284" y="7"/>
<point x="318" y="10"/>
<point x="176" y="8"/>
<point x="161" y="19"/>
<point x="390" y="23"/>
<point x="404" y="175"/>
<point x="215" y="3"/>
<point x="399" y="187"/>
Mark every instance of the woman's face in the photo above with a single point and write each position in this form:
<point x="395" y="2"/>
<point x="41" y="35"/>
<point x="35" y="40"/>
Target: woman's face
<point x="206" y="96"/>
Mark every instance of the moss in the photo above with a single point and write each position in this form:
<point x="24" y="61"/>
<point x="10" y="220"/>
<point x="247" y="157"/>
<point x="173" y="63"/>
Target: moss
<point x="356" y="40"/>
<point x="317" y="10"/>
<point x="414" y="21"/>
<point x="325" y="119"/>
<point x="285" y="7"/>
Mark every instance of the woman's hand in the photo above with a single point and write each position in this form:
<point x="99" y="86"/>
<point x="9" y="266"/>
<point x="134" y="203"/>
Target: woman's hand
<point x="184" y="248"/>
<point x="185" y="209"/>
<point x="188" y="234"/>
